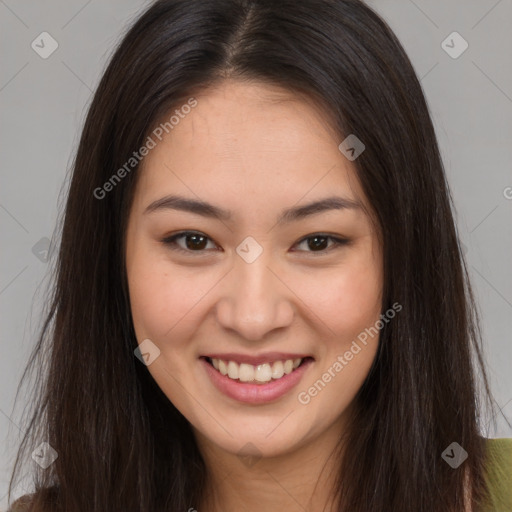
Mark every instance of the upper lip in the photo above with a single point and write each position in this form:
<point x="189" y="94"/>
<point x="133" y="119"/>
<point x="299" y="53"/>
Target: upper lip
<point x="267" y="357"/>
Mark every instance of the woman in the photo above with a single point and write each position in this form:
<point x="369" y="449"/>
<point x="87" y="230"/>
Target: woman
<point x="260" y="299"/>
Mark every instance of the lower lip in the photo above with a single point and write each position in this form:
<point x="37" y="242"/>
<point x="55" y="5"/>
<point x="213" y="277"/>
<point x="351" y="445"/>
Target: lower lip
<point x="256" y="393"/>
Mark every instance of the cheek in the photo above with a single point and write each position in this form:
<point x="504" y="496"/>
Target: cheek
<point x="163" y="298"/>
<point x="358" y="303"/>
<point x="351" y="307"/>
<point x="347" y="299"/>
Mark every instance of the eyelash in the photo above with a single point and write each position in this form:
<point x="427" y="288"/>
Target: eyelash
<point x="170" y="242"/>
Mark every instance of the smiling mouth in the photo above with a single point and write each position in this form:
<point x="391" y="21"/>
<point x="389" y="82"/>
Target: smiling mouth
<point x="256" y="374"/>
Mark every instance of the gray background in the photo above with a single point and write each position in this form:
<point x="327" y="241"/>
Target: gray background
<point x="43" y="103"/>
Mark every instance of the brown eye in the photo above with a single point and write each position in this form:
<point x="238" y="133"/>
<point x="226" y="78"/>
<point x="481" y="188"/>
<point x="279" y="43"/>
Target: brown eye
<point x="320" y="243"/>
<point x="198" y="242"/>
<point x="194" y="242"/>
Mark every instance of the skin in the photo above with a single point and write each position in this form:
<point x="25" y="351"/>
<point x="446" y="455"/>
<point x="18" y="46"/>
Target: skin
<point x="292" y="298"/>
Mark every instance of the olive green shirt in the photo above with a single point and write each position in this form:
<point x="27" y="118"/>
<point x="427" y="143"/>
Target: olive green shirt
<point x="499" y="475"/>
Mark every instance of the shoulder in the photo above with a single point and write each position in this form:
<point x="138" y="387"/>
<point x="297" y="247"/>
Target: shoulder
<point x="498" y="477"/>
<point x="22" y="504"/>
<point x="498" y="473"/>
<point x="42" y="500"/>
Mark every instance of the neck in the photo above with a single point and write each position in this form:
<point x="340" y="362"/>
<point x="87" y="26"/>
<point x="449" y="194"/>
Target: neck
<point x="301" y="480"/>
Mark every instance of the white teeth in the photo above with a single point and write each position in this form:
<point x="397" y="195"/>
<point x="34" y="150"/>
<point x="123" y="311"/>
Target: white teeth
<point x="288" y="366"/>
<point x="261" y="373"/>
<point x="223" y="367"/>
<point x="232" y="370"/>
<point x="277" y="370"/>
<point x="245" y="372"/>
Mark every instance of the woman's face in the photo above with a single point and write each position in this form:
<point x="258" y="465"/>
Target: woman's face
<point x="259" y="286"/>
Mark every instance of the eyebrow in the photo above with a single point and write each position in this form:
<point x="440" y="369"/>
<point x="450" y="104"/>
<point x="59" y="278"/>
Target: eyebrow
<point x="173" y="202"/>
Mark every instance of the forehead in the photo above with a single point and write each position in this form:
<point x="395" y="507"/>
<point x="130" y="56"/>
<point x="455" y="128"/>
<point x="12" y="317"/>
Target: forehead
<point x="248" y="142"/>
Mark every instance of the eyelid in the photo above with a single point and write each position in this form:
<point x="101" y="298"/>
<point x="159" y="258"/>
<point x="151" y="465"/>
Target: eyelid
<point x="170" y="241"/>
<point x="338" y="242"/>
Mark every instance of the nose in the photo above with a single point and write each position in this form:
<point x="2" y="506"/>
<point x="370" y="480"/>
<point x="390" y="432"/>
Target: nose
<point x="255" y="299"/>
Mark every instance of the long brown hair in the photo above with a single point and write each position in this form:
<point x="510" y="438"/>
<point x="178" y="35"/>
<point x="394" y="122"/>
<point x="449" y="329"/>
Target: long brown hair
<point x="121" y="443"/>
